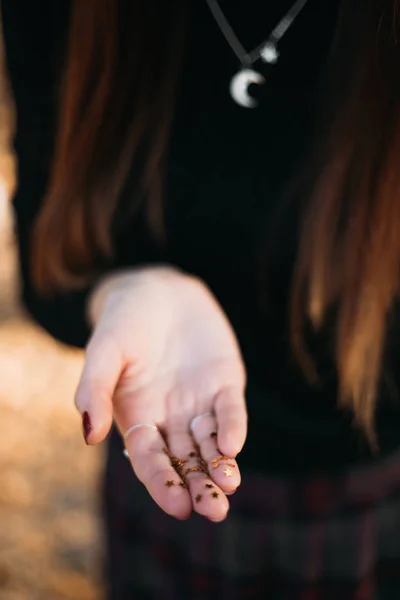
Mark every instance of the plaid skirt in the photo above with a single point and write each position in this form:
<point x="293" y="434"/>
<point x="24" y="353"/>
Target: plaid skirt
<point x="331" y="538"/>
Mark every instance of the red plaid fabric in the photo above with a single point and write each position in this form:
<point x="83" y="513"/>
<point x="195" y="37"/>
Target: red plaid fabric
<point x="327" y="538"/>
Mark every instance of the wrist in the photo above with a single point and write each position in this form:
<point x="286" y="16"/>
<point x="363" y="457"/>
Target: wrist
<point x="115" y="285"/>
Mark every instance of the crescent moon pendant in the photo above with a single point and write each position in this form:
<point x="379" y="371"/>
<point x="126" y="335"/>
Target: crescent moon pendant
<point x="239" y="87"/>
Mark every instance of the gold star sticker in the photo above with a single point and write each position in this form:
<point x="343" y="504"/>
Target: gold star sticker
<point x="169" y="483"/>
<point x="228" y="472"/>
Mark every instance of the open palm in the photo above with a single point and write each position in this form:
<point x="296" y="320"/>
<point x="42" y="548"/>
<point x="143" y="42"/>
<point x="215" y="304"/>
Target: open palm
<point x="164" y="354"/>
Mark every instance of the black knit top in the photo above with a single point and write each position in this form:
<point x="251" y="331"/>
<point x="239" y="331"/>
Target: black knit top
<point x="228" y="171"/>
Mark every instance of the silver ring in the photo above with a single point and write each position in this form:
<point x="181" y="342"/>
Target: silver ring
<point x="138" y="426"/>
<point x="196" y="419"/>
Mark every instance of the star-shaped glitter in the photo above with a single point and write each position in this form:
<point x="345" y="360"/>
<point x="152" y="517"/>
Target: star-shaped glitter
<point x="213" y="434"/>
<point x="169" y="483"/>
<point x="228" y="472"/>
<point x="198" y="497"/>
<point x="215" y="494"/>
<point x="209" y="485"/>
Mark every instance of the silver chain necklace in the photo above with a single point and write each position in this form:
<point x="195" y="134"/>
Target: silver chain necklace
<point x="267" y="51"/>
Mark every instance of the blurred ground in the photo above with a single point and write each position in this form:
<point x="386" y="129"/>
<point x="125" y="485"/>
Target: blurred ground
<point x="50" y="536"/>
<point x="49" y="531"/>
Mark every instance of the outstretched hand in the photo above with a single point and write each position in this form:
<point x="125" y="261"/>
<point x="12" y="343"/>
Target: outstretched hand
<point x="164" y="363"/>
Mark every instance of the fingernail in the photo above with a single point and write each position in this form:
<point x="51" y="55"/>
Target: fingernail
<point x="86" y="426"/>
<point x="230" y="493"/>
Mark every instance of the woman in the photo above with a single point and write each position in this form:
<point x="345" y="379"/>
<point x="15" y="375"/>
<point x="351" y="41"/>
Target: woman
<point x="208" y="202"/>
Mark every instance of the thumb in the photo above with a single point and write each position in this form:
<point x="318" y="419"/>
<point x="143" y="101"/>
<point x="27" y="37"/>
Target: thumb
<point x="100" y="376"/>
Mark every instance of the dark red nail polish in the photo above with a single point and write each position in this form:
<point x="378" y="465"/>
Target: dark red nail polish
<point x="86" y="426"/>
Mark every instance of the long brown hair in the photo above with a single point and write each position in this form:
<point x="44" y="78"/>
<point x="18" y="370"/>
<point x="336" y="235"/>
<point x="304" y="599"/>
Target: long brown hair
<point x="120" y="53"/>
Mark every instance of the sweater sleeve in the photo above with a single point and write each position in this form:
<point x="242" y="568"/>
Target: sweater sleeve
<point x="34" y="36"/>
<point x="64" y="315"/>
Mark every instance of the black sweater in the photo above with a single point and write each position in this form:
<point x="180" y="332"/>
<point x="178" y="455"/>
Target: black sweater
<point x="228" y="170"/>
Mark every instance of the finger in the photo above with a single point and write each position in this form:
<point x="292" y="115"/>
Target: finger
<point x="100" y="376"/>
<point x="208" y="499"/>
<point x="152" y="466"/>
<point x="223" y="470"/>
<point x="231" y="414"/>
